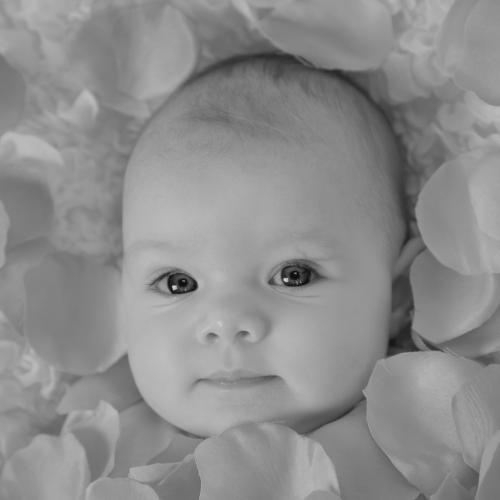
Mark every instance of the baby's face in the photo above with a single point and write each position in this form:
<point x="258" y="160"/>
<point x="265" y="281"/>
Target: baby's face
<point x="255" y="289"/>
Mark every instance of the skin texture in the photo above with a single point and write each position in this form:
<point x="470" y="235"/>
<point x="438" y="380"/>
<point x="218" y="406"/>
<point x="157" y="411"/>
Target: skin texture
<point x="232" y="218"/>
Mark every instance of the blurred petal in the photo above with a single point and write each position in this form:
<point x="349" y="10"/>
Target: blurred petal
<point x="97" y="431"/>
<point x="29" y="205"/>
<point x="465" y="47"/>
<point x="16" y="431"/>
<point x="49" y="468"/>
<point x="71" y="315"/>
<point x="16" y="147"/>
<point x="322" y="495"/>
<point x="119" y="489"/>
<point x="116" y="386"/>
<point x="410" y="417"/>
<point x="446" y="214"/>
<point x="143" y="435"/>
<point x="271" y="461"/>
<point x="489" y="479"/>
<point x="176" y="480"/>
<point x="12" y="290"/>
<point x="4" y="227"/>
<point x="137" y="50"/>
<point x="476" y="411"/>
<point x="447" y="303"/>
<point x="12" y="95"/>
<point x="339" y="34"/>
<point x="450" y="489"/>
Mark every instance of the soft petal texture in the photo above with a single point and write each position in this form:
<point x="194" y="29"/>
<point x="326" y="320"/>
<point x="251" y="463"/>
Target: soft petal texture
<point x="175" y="480"/>
<point x="119" y="489"/>
<point x="364" y="471"/>
<point x="271" y="461"/>
<point x="12" y="96"/>
<point x="453" y="206"/>
<point x="450" y="489"/>
<point x="15" y="147"/>
<point x="97" y="431"/>
<point x="71" y="313"/>
<point x="132" y="51"/>
<point x="29" y="205"/>
<point x="143" y="435"/>
<point x="489" y="479"/>
<point x="410" y="417"/>
<point x="49" y="468"/>
<point x="465" y="47"/>
<point x="322" y="495"/>
<point x="345" y="34"/>
<point x="476" y="412"/>
<point x="447" y="303"/>
<point x="4" y="227"/>
<point x="16" y="431"/>
<point x="12" y="289"/>
<point x="116" y="386"/>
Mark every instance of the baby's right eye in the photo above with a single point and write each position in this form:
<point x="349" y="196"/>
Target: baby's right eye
<point x="176" y="283"/>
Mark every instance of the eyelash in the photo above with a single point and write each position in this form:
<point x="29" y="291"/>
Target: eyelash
<point x="315" y="276"/>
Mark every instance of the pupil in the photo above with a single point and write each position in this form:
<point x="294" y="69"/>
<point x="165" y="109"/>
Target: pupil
<point x="295" y="276"/>
<point x="180" y="284"/>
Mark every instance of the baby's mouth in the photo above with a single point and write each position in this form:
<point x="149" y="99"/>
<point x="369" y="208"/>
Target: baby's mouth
<point x="237" y="378"/>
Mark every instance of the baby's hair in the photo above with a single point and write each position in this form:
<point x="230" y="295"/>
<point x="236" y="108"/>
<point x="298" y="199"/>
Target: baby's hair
<point x="256" y="96"/>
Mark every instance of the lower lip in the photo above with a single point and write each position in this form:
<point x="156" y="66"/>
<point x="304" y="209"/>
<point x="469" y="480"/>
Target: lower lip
<point x="239" y="383"/>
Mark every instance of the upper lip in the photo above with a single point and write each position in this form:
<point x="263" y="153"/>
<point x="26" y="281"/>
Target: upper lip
<point x="231" y="375"/>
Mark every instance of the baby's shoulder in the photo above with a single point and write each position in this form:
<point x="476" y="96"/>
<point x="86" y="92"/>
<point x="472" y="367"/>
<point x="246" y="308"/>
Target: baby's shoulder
<point x="364" y="471"/>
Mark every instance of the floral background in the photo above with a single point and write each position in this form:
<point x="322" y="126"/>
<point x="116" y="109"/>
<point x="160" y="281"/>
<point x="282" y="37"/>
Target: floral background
<point x="78" y="79"/>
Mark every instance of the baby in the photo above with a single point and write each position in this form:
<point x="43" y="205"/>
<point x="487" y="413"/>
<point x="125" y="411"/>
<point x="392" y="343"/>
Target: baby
<point x="264" y="232"/>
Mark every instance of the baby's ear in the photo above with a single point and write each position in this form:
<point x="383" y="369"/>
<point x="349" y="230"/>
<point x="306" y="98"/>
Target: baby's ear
<point x="402" y="299"/>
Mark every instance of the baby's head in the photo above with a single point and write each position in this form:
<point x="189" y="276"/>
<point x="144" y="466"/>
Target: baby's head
<point x="263" y="223"/>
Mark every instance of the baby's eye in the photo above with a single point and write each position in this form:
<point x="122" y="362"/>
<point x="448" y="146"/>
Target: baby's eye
<point x="176" y="283"/>
<point x="293" y="275"/>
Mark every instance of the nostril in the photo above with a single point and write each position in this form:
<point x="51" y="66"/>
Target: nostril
<point x="211" y="337"/>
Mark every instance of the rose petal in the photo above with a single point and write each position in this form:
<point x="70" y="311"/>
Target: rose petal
<point x="271" y="461"/>
<point x="176" y="480"/>
<point x="12" y="290"/>
<point x="4" y="227"/>
<point x="138" y="50"/>
<point x="410" y="417"/>
<point x="450" y="489"/>
<point x="143" y="435"/>
<point x="330" y="34"/>
<point x="71" y="317"/>
<point x="322" y="495"/>
<point x="12" y="96"/>
<point x="476" y="412"/>
<point x="49" y="467"/>
<point x="447" y="303"/>
<point x="16" y="431"/>
<point x="119" y="489"/>
<point x="97" y="431"/>
<point x="489" y="480"/>
<point x="116" y="386"/>
<point x="29" y="205"/>
<point x="16" y="147"/>
<point x="446" y="217"/>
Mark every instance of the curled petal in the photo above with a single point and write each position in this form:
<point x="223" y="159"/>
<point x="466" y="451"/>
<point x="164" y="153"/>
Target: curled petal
<point x="139" y="50"/>
<point x="116" y="386"/>
<point x="97" y="431"/>
<point x="12" y="290"/>
<point x="454" y="208"/>
<point x="49" y="467"/>
<point x="465" y="46"/>
<point x="12" y="96"/>
<point x="332" y="34"/>
<point x="410" y="417"/>
<point x="489" y="479"/>
<point x="29" y="205"/>
<point x="447" y="303"/>
<point x="143" y="436"/>
<point x="16" y="147"/>
<point x="272" y="461"/>
<point x="476" y="411"/>
<point x="119" y="489"/>
<point x="4" y="227"/>
<point x="71" y="315"/>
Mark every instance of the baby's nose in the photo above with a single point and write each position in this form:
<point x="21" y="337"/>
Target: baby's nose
<point x="233" y="326"/>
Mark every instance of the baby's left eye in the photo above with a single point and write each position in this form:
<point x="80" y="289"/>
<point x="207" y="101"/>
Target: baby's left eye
<point x="294" y="275"/>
